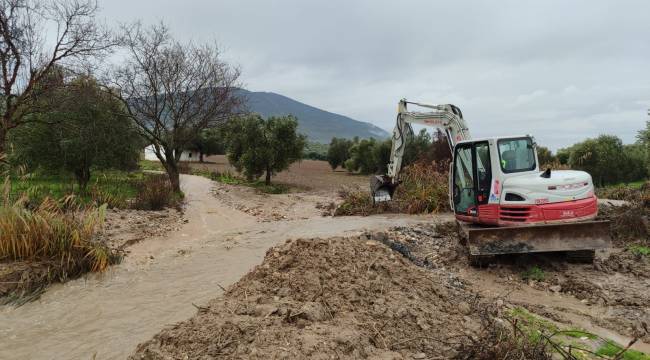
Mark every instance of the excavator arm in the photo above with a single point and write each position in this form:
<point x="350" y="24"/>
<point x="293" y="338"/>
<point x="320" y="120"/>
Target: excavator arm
<point x="447" y="117"/>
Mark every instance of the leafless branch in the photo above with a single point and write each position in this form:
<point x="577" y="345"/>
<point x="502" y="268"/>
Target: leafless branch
<point x="27" y="58"/>
<point x="173" y="90"/>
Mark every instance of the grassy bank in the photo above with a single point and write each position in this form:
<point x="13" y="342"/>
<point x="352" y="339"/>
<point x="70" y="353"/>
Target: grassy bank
<point x="232" y="179"/>
<point x="51" y="230"/>
<point x="50" y="242"/>
<point x="114" y="188"/>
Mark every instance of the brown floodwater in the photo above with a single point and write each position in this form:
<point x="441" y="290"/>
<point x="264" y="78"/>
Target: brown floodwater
<point x="105" y="316"/>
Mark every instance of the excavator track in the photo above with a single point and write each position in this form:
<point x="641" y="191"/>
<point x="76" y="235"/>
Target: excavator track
<point x="578" y="240"/>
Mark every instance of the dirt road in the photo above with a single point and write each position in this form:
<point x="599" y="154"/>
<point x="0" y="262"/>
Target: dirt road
<point x="157" y="284"/>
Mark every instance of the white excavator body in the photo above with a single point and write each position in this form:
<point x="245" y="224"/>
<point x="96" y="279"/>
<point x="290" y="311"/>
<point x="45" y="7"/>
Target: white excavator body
<point x="496" y="183"/>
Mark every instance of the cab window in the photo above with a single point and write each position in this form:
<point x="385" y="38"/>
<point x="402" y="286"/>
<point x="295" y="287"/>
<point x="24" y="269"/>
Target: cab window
<point x="516" y="155"/>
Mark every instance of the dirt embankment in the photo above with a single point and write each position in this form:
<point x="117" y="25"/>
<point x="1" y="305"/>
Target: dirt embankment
<point x="405" y="293"/>
<point x="343" y="297"/>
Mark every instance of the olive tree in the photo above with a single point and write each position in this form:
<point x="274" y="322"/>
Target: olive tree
<point x="91" y="132"/>
<point x="208" y="142"/>
<point x="27" y="56"/>
<point x="173" y="90"/>
<point x="338" y="152"/>
<point x="256" y="146"/>
<point x="606" y="159"/>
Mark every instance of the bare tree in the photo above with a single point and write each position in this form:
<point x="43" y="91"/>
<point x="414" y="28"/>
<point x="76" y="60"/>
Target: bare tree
<point x="173" y="90"/>
<point x="37" y="36"/>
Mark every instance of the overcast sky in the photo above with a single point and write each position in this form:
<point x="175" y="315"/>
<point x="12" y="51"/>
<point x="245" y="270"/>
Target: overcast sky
<point x="560" y="70"/>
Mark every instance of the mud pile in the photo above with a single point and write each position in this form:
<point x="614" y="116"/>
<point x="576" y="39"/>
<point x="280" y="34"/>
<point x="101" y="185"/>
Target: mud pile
<point x="339" y="297"/>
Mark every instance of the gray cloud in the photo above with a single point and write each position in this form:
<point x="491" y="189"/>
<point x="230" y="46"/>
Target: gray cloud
<point x="561" y="70"/>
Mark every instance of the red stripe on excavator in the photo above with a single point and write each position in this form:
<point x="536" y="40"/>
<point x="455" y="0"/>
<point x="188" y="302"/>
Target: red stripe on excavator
<point x="509" y="215"/>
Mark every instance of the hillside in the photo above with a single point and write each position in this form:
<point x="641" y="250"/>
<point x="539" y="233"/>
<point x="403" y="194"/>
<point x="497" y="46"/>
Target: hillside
<point x="319" y="125"/>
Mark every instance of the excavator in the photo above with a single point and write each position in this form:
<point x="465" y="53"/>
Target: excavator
<point x="502" y="202"/>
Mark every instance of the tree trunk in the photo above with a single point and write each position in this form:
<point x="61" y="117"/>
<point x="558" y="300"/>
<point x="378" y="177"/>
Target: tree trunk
<point x="83" y="177"/>
<point x="174" y="177"/>
<point x="268" y="176"/>
<point x="200" y="156"/>
<point x="3" y="142"/>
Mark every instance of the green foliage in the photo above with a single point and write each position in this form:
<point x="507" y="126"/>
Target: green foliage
<point x="208" y="142"/>
<point x="231" y="179"/>
<point x="150" y="165"/>
<point x="115" y="188"/>
<point x="640" y="250"/>
<point x="417" y="147"/>
<point x="545" y="156"/>
<point x="607" y="160"/>
<point x="256" y="146"/>
<point x="88" y="131"/>
<point x="368" y="156"/>
<point x="643" y="139"/>
<point x="338" y="152"/>
<point x="611" y="349"/>
<point x="534" y="273"/>
<point x="315" y="151"/>
<point x="563" y="155"/>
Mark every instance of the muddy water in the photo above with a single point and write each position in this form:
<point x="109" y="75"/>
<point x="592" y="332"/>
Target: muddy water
<point x="107" y="316"/>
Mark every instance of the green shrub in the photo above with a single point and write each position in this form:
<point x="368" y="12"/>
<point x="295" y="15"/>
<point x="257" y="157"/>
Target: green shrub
<point x="534" y="273"/>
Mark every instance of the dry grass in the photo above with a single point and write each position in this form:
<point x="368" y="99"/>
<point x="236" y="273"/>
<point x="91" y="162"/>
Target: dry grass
<point x="424" y="189"/>
<point x="155" y="193"/>
<point x="629" y="223"/>
<point x="59" y="232"/>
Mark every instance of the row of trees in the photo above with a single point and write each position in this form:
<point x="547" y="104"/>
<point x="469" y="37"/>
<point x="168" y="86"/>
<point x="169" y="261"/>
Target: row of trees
<point x="606" y="158"/>
<point x="369" y="156"/>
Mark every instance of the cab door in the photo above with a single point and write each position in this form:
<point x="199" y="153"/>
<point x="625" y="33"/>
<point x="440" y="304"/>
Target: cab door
<point x="464" y="184"/>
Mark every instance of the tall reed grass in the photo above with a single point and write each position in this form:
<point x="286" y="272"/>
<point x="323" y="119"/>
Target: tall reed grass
<point x="61" y="232"/>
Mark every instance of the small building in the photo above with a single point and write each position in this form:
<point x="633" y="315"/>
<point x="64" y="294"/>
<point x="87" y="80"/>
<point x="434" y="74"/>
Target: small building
<point x="187" y="155"/>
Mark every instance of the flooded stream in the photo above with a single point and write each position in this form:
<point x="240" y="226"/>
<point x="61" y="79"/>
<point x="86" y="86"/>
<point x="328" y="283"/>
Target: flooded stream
<point x="107" y="315"/>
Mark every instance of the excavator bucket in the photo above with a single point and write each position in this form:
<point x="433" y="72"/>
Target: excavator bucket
<point x="381" y="188"/>
<point x="567" y="237"/>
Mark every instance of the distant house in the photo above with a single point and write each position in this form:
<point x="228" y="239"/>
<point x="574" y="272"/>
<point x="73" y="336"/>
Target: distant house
<point x="187" y="155"/>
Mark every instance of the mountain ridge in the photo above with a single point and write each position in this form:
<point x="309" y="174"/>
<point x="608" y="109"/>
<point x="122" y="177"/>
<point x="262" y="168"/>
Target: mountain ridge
<point x="319" y="125"/>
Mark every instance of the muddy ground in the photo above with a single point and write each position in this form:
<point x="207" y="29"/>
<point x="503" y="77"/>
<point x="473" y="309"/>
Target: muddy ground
<point x="404" y="293"/>
<point x="306" y="175"/>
